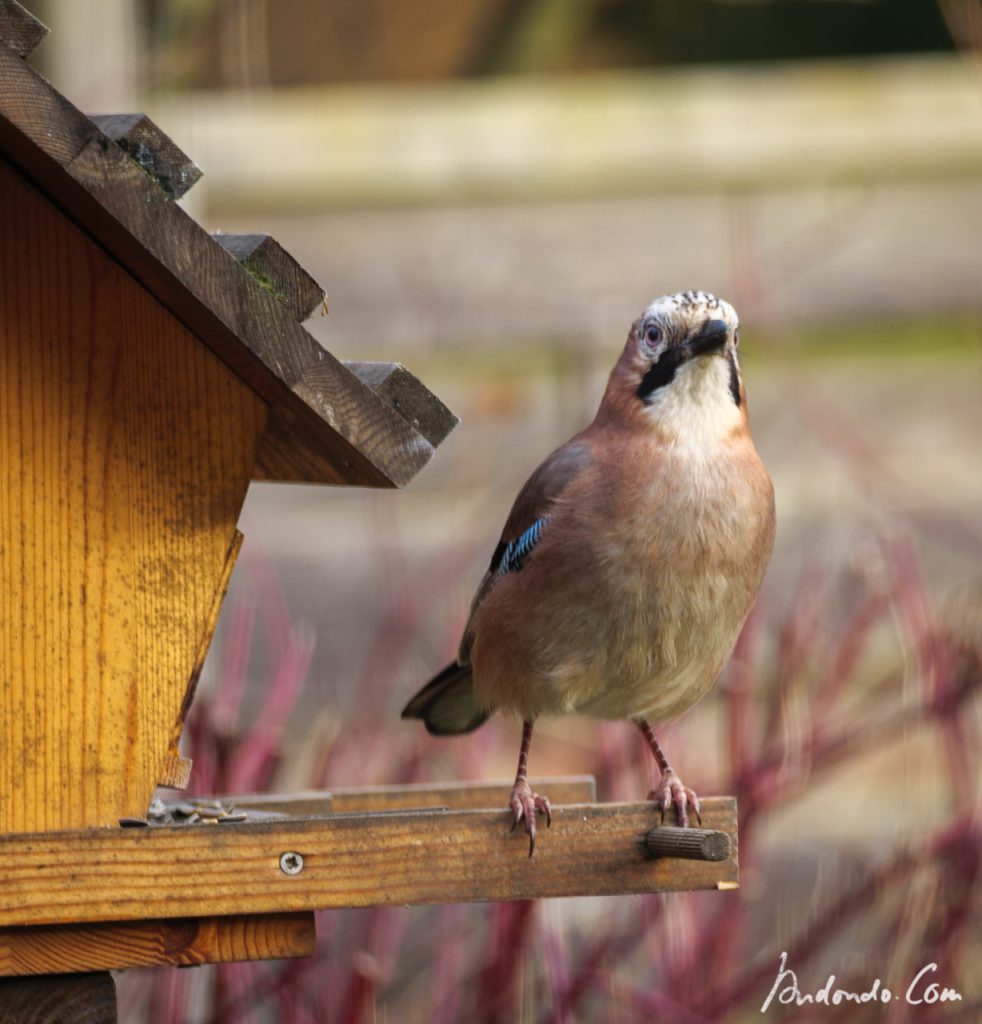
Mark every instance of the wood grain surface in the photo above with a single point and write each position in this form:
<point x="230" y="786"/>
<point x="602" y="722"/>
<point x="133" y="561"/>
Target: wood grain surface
<point x="59" y="999"/>
<point x="349" y="860"/>
<point x="332" y="431"/>
<point x="277" y="270"/>
<point x="394" y="384"/>
<point x="155" y="151"/>
<point x="19" y="29"/>
<point x="126" y="448"/>
<point x="57" y="949"/>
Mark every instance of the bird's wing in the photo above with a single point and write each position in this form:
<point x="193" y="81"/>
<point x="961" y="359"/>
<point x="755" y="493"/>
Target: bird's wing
<point x="526" y="522"/>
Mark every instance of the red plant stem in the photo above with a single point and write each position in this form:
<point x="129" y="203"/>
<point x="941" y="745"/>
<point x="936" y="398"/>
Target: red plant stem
<point x="851" y="643"/>
<point x="448" y="969"/>
<point x="763" y="786"/>
<point x="612" y="946"/>
<point x="557" y="968"/>
<point x="796" y="647"/>
<point x="513" y="925"/>
<point x="739" y="693"/>
<point x="654" y="1005"/>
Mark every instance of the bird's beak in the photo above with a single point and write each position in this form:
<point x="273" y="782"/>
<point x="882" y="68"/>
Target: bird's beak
<point x="712" y="337"/>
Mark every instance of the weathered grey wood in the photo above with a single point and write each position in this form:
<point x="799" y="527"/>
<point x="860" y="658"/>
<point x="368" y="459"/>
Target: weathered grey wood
<point x="348" y="860"/>
<point x="567" y="789"/>
<point x="394" y="384"/>
<point x="324" y="425"/>
<point x="173" y="170"/>
<point x="19" y="29"/>
<point x="274" y="268"/>
<point x="59" y="999"/>
<point x="689" y="843"/>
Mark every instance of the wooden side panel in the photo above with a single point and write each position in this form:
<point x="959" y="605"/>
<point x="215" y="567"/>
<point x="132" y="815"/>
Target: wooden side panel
<point x="56" y="949"/>
<point x="176" y="770"/>
<point x="125" y="451"/>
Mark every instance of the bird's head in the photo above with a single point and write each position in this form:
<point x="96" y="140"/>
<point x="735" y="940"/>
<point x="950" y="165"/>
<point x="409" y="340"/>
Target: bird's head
<point x="679" y="371"/>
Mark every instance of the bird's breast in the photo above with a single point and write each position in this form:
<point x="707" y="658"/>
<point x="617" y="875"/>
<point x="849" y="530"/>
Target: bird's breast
<point x="635" y="596"/>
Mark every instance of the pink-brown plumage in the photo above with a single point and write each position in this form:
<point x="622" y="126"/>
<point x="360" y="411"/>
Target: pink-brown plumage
<point x="657" y="523"/>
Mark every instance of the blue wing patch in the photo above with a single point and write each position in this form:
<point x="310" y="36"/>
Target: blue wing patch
<point x="521" y="547"/>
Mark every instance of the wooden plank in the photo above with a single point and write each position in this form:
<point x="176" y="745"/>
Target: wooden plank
<point x="19" y="29"/>
<point x="274" y="268"/>
<point x="169" y="166"/>
<point x="186" y="942"/>
<point x="305" y="802"/>
<point x="356" y="860"/>
<point x="62" y="999"/>
<point x="569" y="789"/>
<point x="125" y="456"/>
<point x="175" y="772"/>
<point x="324" y="425"/>
<point x="394" y="384"/>
<point x="573" y="789"/>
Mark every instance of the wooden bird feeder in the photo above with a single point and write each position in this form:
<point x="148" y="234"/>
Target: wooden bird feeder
<point x="148" y="372"/>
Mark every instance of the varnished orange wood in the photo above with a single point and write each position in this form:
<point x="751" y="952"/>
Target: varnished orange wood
<point x="125" y="451"/>
<point x="57" y="949"/>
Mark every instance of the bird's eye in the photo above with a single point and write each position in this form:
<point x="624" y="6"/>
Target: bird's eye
<point x="652" y="334"/>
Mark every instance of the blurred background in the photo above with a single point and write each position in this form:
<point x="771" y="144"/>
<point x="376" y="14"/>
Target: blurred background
<point x="491" y="191"/>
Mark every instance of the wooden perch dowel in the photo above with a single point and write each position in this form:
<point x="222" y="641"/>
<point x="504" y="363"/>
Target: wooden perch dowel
<point x="688" y="843"/>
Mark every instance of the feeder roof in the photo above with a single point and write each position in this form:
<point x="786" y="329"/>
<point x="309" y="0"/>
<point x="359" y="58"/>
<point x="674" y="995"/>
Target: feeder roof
<point x="119" y="178"/>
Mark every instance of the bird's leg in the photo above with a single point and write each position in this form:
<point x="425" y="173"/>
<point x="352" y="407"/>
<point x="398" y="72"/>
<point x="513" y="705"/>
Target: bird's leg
<point x="670" y="789"/>
<point x="524" y="803"/>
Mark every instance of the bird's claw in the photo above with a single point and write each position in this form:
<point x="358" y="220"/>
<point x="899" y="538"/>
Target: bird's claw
<point x="669" y="792"/>
<point x="526" y="804"/>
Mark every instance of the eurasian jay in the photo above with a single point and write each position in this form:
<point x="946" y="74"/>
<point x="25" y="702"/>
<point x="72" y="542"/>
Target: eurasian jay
<point x="631" y="557"/>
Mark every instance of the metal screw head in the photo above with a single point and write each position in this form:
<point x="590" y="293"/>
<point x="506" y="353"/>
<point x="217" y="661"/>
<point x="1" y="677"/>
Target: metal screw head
<point x="291" y="863"/>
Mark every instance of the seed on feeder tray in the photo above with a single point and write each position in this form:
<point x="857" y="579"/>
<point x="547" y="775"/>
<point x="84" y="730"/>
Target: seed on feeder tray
<point x="227" y="819"/>
<point x="133" y="822"/>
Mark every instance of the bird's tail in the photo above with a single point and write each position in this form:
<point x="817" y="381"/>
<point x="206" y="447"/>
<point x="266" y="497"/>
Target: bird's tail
<point x="447" y="704"/>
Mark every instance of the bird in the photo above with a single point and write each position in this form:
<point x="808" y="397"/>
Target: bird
<point x="630" y="559"/>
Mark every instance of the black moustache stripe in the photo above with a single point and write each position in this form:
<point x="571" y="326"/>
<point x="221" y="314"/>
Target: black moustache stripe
<point x="661" y="373"/>
<point x="734" y="380"/>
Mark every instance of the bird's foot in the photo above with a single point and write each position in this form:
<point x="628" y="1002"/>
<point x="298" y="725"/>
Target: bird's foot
<point x="669" y="792"/>
<point x="526" y="804"/>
